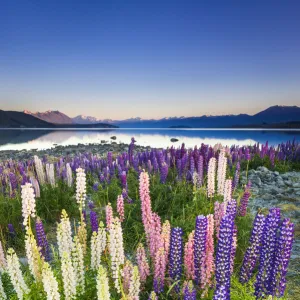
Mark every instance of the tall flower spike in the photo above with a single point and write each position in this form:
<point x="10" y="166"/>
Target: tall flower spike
<point x="50" y="283"/>
<point x="176" y="251"/>
<point x="219" y="212"/>
<point x="98" y="244"/>
<point x="94" y="221"/>
<point x="200" y="246"/>
<point x="78" y="264"/>
<point x="80" y="188"/>
<point x="28" y="202"/>
<point x="15" y="274"/>
<point x="159" y="271"/>
<point x="155" y="235"/>
<point x="142" y="263"/>
<point x="222" y="290"/>
<point x="120" y="207"/>
<point x="222" y="165"/>
<point x="116" y="251"/>
<point x="3" y="262"/>
<point x="189" y="291"/>
<point x="211" y="173"/>
<point x="134" y="287"/>
<point x="227" y="192"/>
<point x="126" y="274"/>
<point x="68" y="276"/>
<point x="165" y="238"/>
<point x="244" y="201"/>
<point x="109" y="215"/>
<point x="42" y="239"/>
<point x="39" y="170"/>
<point x="64" y="234"/>
<point x="189" y="257"/>
<point x="69" y="175"/>
<point x="252" y="252"/>
<point x="102" y="284"/>
<point x="50" y="174"/>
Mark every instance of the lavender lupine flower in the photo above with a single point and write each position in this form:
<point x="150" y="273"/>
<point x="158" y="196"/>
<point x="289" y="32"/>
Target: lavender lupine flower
<point x="179" y="169"/>
<point x="236" y="176"/>
<point x="163" y="172"/>
<point x="199" y="246"/>
<point x="253" y="250"/>
<point x="200" y="170"/>
<point x="189" y="291"/>
<point x="267" y="254"/>
<point x="42" y="239"/>
<point x="282" y="257"/>
<point x="231" y="208"/>
<point x="130" y="150"/>
<point x="222" y="290"/>
<point x="96" y="186"/>
<point x="13" y="183"/>
<point x="94" y="221"/>
<point x="244" y="201"/>
<point x="176" y="252"/>
<point x="247" y="154"/>
<point x="123" y="178"/>
<point x="91" y="205"/>
<point x="11" y="230"/>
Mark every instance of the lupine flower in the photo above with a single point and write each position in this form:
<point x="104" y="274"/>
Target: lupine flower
<point x="153" y="296"/>
<point x="267" y="253"/>
<point x="126" y="274"/>
<point x="123" y="178"/>
<point x="109" y="215"/>
<point x="221" y="173"/>
<point x="98" y="244"/>
<point x="80" y="188"/>
<point x="200" y="170"/>
<point x="134" y="287"/>
<point x="219" y="212"/>
<point x="50" y="283"/>
<point x="116" y="250"/>
<point x="3" y="263"/>
<point x="189" y="257"/>
<point x="13" y="184"/>
<point x="233" y="248"/>
<point x="42" y="239"/>
<point x="64" y="234"/>
<point x="94" y="221"/>
<point x="155" y="235"/>
<point x="189" y="291"/>
<point x="78" y="264"/>
<point x="211" y="177"/>
<point x="39" y="170"/>
<point x="11" y="230"/>
<point x="244" y="201"/>
<point x="227" y="192"/>
<point x="222" y="290"/>
<point x="195" y="180"/>
<point x="28" y="202"/>
<point x="68" y="276"/>
<point x="96" y="186"/>
<point x="176" y="251"/>
<point x="50" y="174"/>
<point x="282" y="258"/>
<point x="69" y="175"/>
<point x="159" y="271"/>
<point x="252" y="252"/>
<point x="200" y="246"/>
<point x="120" y="207"/>
<point x="247" y="154"/>
<point x="36" y="187"/>
<point x="15" y="274"/>
<point x="165" y="238"/>
<point x="231" y="208"/>
<point x="102" y="284"/>
<point x="142" y="263"/>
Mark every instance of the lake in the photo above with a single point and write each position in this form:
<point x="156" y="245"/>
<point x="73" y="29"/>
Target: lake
<point x="18" y="139"/>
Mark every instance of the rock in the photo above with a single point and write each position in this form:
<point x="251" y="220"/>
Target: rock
<point x="276" y="173"/>
<point x="263" y="169"/>
<point x="173" y="140"/>
<point x="267" y="196"/>
<point x="113" y="137"/>
<point x="256" y="181"/>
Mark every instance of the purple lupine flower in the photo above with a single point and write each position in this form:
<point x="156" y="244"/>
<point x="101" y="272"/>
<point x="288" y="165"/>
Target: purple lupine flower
<point x="96" y="186"/>
<point x="91" y="205"/>
<point x="163" y="172"/>
<point x="192" y="166"/>
<point x="247" y="154"/>
<point x="189" y="291"/>
<point x="176" y="252"/>
<point x="200" y="170"/>
<point x="42" y="239"/>
<point x="282" y="258"/>
<point x="94" y="221"/>
<point x="236" y="175"/>
<point x="231" y="208"/>
<point x="244" y="201"/>
<point x="267" y="253"/>
<point x="130" y="150"/>
<point x="199" y="246"/>
<point x="253" y="250"/>
<point x="123" y="178"/>
<point x="223" y="255"/>
<point x="11" y="230"/>
<point x="13" y="184"/>
<point x="179" y="169"/>
<point x="109" y="159"/>
<point x="233" y="248"/>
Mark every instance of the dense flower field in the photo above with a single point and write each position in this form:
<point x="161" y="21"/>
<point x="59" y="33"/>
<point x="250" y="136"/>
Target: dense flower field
<point x="160" y="224"/>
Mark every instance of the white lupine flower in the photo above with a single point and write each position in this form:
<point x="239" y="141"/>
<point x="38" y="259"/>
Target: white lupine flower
<point x="221" y="175"/>
<point x="134" y="287"/>
<point x="78" y="264"/>
<point x="33" y="255"/>
<point x="36" y="187"/>
<point x="3" y="263"/>
<point x="102" y="284"/>
<point x="50" y="174"/>
<point x="80" y="187"/>
<point x="2" y="293"/>
<point x="15" y="274"/>
<point x="69" y="175"/>
<point x="39" y="170"/>
<point x="195" y="180"/>
<point x="227" y="192"/>
<point x="98" y="244"/>
<point x="28" y="202"/>
<point x="68" y="276"/>
<point x="211" y="177"/>
<point x="64" y="234"/>
<point x="50" y="283"/>
<point x="116" y="250"/>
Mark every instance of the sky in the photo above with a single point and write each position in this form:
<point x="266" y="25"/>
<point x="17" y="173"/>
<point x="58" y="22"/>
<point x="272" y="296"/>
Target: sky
<point x="149" y="59"/>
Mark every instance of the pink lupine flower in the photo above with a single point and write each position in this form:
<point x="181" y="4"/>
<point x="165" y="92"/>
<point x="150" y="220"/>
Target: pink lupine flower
<point x="145" y="203"/>
<point x="159" y="271"/>
<point x="142" y="263"/>
<point x="227" y="192"/>
<point x="109" y="215"/>
<point x="189" y="257"/>
<point x="126" y="274"/>
<point x="155" y="235"/>
<point x="120" y="207"/>
<point x="209" y="264"/>
<point x="165" y="238"/>
<point x="219" y="212"/>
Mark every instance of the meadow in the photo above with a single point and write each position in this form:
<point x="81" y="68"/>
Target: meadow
<point x="160" y="224"/>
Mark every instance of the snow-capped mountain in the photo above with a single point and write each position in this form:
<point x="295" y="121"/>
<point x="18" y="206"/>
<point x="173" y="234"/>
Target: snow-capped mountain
<point x="81" y="119"/>
<point x="51" y="116"/>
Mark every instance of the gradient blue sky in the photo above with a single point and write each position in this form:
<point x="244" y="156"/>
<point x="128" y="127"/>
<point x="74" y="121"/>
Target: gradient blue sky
<point x="120" y="59"/>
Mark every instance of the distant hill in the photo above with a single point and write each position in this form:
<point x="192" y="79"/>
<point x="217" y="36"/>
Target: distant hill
<point x="81" y="119"/>
<point x="15" y="119"/>
<point x="52" y="116"/>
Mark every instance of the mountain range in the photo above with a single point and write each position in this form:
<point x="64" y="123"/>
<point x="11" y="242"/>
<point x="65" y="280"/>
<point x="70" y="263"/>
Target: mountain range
<point x="266" y="118"/>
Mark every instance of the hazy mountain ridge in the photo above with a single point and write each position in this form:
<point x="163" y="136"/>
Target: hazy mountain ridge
<point x="52" y="116"/>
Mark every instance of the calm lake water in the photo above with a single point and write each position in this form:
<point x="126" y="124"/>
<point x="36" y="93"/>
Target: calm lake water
<point x="43" y="139"/>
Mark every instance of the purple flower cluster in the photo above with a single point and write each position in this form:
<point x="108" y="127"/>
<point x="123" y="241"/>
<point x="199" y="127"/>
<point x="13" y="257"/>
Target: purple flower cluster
<point x="244" y="201"/>
<point x="42" y="239"/>
<point x="189" y="291"/>
<point x="94" y="221"/>
<point x="231" y="208"/>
